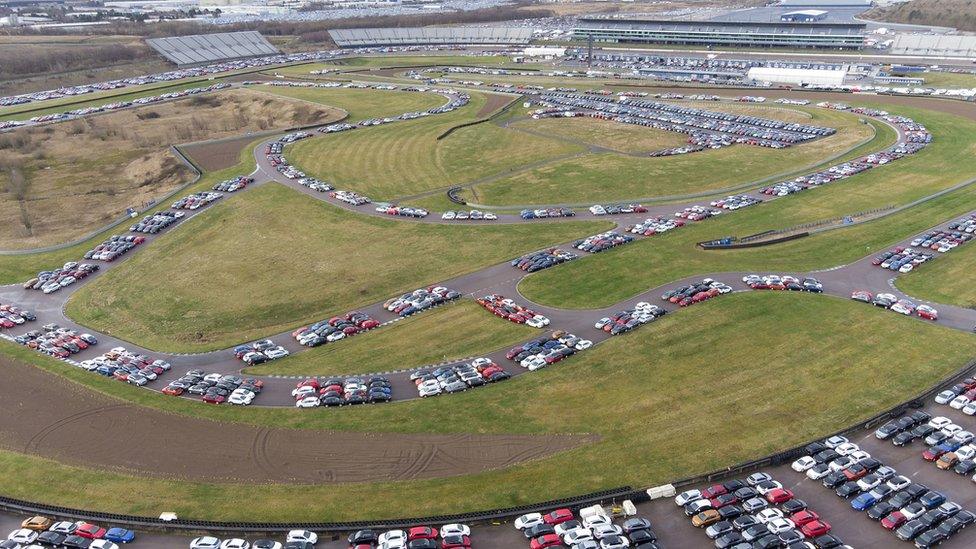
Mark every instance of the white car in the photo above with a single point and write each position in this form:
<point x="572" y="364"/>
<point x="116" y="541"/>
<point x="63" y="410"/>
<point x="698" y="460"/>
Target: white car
<point x="909" y="514"/>
<point x="969" y="409"/>
<point x="684" y="498"/>
<point x="768" y="487"/>
<point x="307" y="402"/>
<point x="768" y="515"/>
<point x="592" y="521"/>
<point x="577" y="535"/>
<point x="583" y="344"/>
<point x="66" y="527"/>
<point x="951" y="429"/>
<point x="23" y="536"/>
<point x="966" y="452"/>
<point x="205" y="542"/>
<point x="847" y="448"/>
<point x="455" y="529"/>
<point x="939" y="422"/>
<point x="103" y="544"/>
<point x="803" y="463"/>
<point x="235" y="543"/>
<point x="601" y="323"/>
<point x="302" y="535"/>
<point x="276" y="353"/>
<point x="944" y="398"/>
<point x="241" y="397"/>
<point x="429" y="388"/>
<point x="959" y="402"/>
<point x="393" y="538"/>
<point x="904" y="307"/>
<point x="817" y="472"/>
<point x="835" y="441"/>
<point x="537" y="321"/>
<point x="528" y="521"/>
<point x="898" y="483"/>
<point x="601" y="531"/>
<point x="778" y="525"/>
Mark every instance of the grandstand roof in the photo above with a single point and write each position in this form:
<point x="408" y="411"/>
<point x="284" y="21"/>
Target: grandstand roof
<point x="776" y="27"/>
<point x="208" y="48"/>
<point x="402" y="36"/>
<point x="942" y="45"/>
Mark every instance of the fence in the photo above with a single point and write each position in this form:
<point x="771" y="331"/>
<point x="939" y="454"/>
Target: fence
<point x="452" y="193"/>
<point x="792" y="233"/>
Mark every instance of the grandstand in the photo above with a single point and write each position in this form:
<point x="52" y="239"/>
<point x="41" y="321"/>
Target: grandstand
<point x="722" y="33"/>
<point x="936" y="45"/>
<point x="416" y="36"/>
<point x="210" y="48"/>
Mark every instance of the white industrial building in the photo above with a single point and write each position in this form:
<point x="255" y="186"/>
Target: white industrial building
<point x="777" y="75"/>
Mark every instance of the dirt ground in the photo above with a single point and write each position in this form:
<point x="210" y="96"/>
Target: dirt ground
<point x="494" y="103"/>
<point x="61" y="181"/>
<point x="82" y="429"/>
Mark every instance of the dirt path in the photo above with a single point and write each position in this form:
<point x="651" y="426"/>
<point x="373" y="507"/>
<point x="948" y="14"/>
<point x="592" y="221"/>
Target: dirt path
<point x="84" y="426"/>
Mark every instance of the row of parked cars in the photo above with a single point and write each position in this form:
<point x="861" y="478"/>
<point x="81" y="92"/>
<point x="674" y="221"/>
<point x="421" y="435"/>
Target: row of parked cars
<point x="617" y="209"/>
<point x="757" y="512"/>
<point x="654" y="225"/>
<point x="259" y="352"/>
<point x="12" y="315"/>
<point x="542" y="259"/>
<point x="545" y="213"/>
<point x="457" y="377"/>
<point x="751" y="130"/>
<point x="591" y="528"/>
<point x="152" y="224"/>
<point x="197" y="200"/>
<point x="697" y="292"/>
<point x="544" y="351"/>
<point x="314" y="392"/>
<point x="891" y="302"/>
<point x="511" y="311"/>
<point x="735" y="202"/>
<point x="41" y="531"/>
<point x="629" y="319"/>
<point x="350" y="197"/>
<point x="784" y="282"/>
<point x="401" y="211"/>
<point x="56" y="341"/>
<point x="125" y="366"/>
<point x="420" y="299"/>
<point x="697" y="213"/>
<point x="215" y="388"/>
<point x="470" y="215"/>
<point x="233" y="185"/>
<point x="52" y="281"/>
<point x="603" y="241"/>
<point x="315" y="184"/>
<point x="115" y="247"/>
<point x="910" y="509"/>
<point x="902" y="259"/>
<point x="334" y="329"/>
<point x="961" y="396"/>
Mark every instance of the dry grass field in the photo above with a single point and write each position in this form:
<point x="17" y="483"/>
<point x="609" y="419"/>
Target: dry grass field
<point x="58" y="182"/>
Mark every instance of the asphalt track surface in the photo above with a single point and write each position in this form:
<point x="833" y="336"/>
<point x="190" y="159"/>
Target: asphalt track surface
<point x="100" y="419"/>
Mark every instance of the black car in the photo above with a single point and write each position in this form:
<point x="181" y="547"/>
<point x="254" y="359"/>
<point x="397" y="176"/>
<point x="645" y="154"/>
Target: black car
<point x="814" y="448"/>
<point x="50" y="538"/>
<point x="633" y="524"/>
<point x="932" y="518"/>
<point x="965" y="467"/>
<point x="888" y="430"/>
<point x="642" y="536"/>
<point x="880" y="510"/>
<point x="834" y="480"/>
<point x="264" y="544"/>
<point x="848" y="489"/>
<point x="916" y="490"/>
<point x="746" y="493"/>
<point x="910" y="530"/>
<point x="951" y="525"/>
<point x="730" y="512"/>
<point x="920" y="417"/>
<point x="76" y="542"/>
<point x="768" y="542"/>
<point x="539" y="530"/>
<point x="827" y="542"/>
<point x="901" y="499"/>
<point x="422" y="544"/>
<point x="825" y="456"/>
<point x="744" y="522"/>
<point x="793" y="506"/>
<point x="755" y="532"/>
<point x="930" y="538"/>
<point x="362" y="537"/>
<point x="729" y="540"/>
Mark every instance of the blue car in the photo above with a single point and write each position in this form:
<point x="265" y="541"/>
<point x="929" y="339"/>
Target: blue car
<point x="932" y="499"/>
<point x="950" y="445"/>
<point x="120" y="535"/>
<point x="863" y="501"/>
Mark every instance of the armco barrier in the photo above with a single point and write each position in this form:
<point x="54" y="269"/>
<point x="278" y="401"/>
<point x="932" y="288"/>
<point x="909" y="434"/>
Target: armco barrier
<point x="713" y="245"/>
<point x="452" y="194"/>
<point x="27" y="508"/>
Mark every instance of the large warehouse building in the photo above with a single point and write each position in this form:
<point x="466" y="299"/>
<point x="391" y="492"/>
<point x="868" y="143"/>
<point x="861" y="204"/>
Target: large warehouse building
<point x="801" y="77"/>
<point x="722" y="33"/>
<point x="413" y="36"/>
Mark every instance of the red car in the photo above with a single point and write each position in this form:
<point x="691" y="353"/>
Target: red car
<point x="313" y="383"/>
<point x="894" y="520"/>
<point x="713" y="491"/>
<point x="213" y="398"/>
<point x="421" y="532"/>
<point x="548" y="540"/>
<point x="933" y="453"/>
<point x="779" y="495"/>
<point x="558" y="516"/>
<point x="90" y="531"/>
<point x="804" y="517"/>
<point x="815" y="529"/>
<point x="173" y="391"/>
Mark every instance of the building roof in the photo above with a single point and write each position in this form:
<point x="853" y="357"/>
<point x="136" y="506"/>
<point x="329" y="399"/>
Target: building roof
<point x="208" y="48"/>
<point x="778" y="27"/>
<point x="944" y="45"/>
<point x="430" y="35"/>
<point x="811" y="13"/>
<point x="824" y="3"/>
